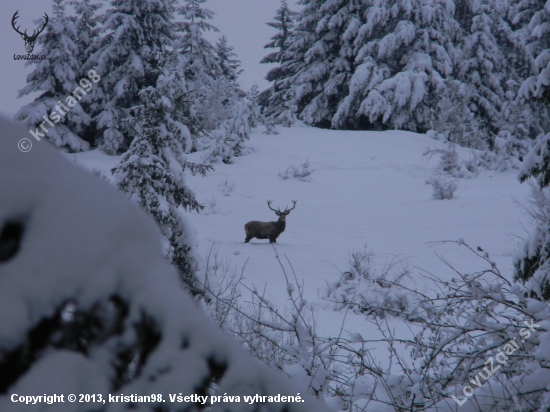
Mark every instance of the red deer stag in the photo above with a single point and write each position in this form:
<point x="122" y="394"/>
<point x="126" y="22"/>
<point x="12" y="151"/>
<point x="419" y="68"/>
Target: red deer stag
<point x="268" y="230"/>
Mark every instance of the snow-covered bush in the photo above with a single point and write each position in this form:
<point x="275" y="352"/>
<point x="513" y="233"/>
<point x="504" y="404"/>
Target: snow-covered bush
<point x="302" y="172"/>
<point x="90" y="306"/>
<point x="450" y="164"/>
<point x="474" y="326"/>
<point x="365" y="290"/>
<point x="443" y="189"/>
<point x="477" y="341"/>
<point x="507" y="153"/>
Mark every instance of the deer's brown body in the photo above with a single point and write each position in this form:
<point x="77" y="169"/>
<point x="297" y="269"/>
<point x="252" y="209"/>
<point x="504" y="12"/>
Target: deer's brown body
<point x="267" y="230"/>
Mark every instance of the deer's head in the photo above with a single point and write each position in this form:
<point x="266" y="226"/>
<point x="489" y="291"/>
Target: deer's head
<point x="282" y="215"/>
<point x="29" y="40"/>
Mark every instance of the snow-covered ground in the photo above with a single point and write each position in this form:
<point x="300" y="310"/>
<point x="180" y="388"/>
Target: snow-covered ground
<point x="367" y="189"/>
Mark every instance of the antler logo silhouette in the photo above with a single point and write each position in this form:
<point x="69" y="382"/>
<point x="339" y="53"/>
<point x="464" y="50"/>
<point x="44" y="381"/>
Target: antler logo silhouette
<point x="29" y="40"/>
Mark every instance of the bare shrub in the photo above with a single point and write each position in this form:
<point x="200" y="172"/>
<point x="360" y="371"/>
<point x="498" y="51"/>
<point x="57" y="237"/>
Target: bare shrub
<point x="454" y="331"/>
<point x="450" y="163"/>
<point x="302" y="172"/>
<point x="226" y="187"/>
<point x="222" y="283"/>
<point x="442" y="189"/>
<point x="458" y="332"/>
<point x="211" y="206"/>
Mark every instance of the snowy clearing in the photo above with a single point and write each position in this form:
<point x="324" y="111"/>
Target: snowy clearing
<point x="367" y="188"/>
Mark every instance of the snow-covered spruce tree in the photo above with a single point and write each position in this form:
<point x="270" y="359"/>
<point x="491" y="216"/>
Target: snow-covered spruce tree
<point x="489" y="72"/>
<point x="57" y="114"/>
<point x="227" y="60"/>
<point x="228" y="141"/>
<point x="254" y="110"/>
<point x="523" y="118"/>
<point x="277" y="97"/>
<point x="456" y="119"/>
<point x="85" y="26"/>
<point x="152" y="171"/>
<point x="200" y="68"/>
<point x="535" y="34"/>
<point x="484" y="70"/>
<point x="533" y="264"/>
<point x="89" y="306"/>
<point x="404" y="53"/>
<point x="211" y="76"/>
<point x="125" y="55"/>
<point x="322" y="58"/>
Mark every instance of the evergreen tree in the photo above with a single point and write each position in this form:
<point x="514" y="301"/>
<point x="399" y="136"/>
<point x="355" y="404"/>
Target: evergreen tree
<point x="535" y="35"/>
<point x="483" y="68"/>
<point x="414" y="65"/>
<point x="252" y="101"/>
<point x="135" y="33"/>
<point x="226" y="59"/>
<point x="85" y="24"/>
<point x="57" y="114"/>
<point x="211" y="75"/>
<point x="152" y="171"/>
<point x="404" y="52"/>
<point x="200" y="68"/>
<point x="277" y="96"/>
<point x="323" y="39"/>
<point x="86" y="27"/>
<point x="490" y="68"/>
<point x="533" y="265"/>
<point x="228" y="141"/>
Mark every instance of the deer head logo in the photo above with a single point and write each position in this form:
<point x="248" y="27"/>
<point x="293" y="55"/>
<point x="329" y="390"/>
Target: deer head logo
<point x="29" y="40"/>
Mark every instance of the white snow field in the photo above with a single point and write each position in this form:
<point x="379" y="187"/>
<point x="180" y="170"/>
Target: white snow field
<point x="367" y="189"/>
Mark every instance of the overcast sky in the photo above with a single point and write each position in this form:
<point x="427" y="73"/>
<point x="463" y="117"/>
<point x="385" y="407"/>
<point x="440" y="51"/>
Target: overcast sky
<point x="243" y="21"/>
